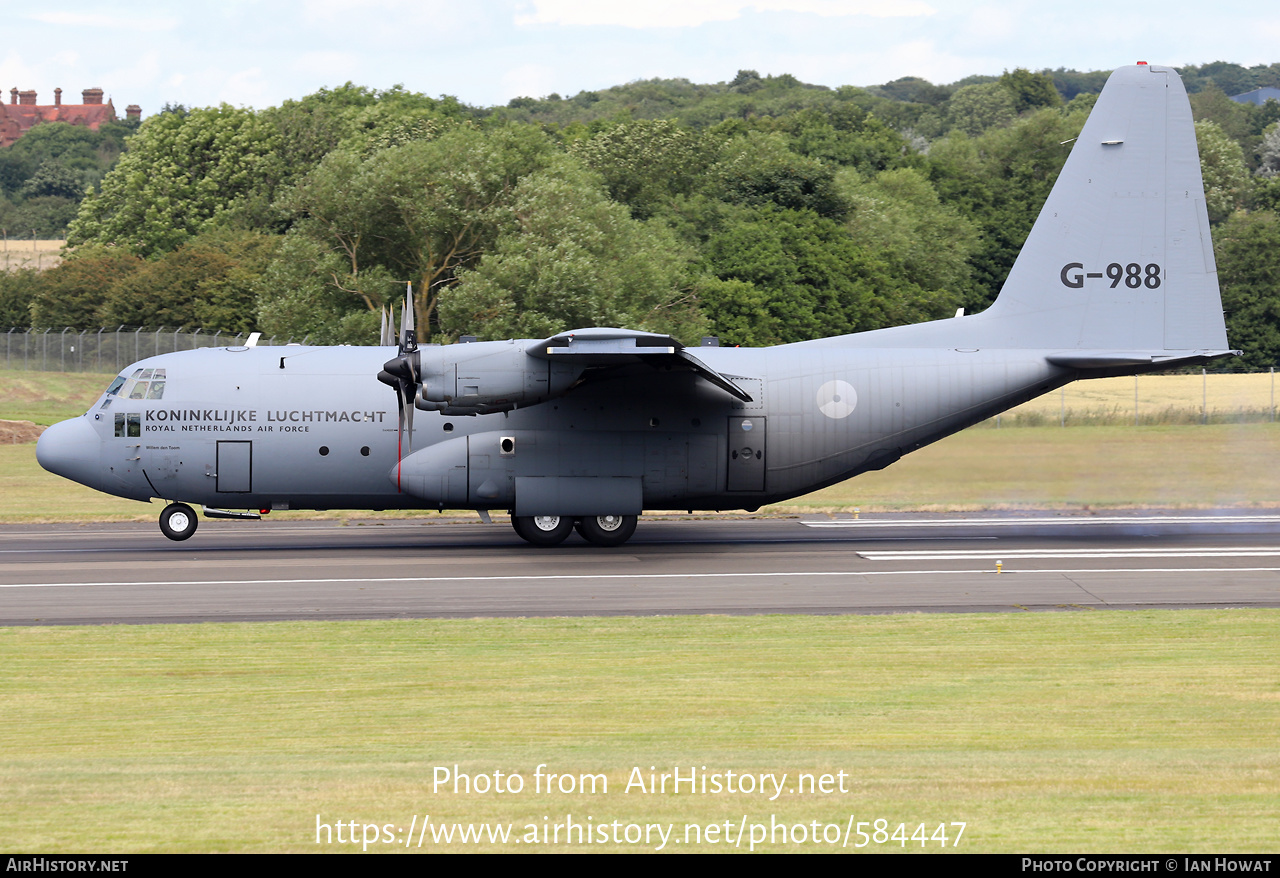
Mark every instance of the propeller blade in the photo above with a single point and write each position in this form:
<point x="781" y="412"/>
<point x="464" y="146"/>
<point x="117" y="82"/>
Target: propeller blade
<point x="408" y="410"/>
<point x="408" y="338"/>
<point x="402" y="373"/>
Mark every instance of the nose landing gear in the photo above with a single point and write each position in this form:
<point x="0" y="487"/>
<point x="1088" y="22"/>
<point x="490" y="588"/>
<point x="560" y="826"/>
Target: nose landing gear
<point x="178" y="521"/>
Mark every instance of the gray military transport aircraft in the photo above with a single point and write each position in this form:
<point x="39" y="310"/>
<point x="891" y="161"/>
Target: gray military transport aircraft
<point x="590" y="427"/>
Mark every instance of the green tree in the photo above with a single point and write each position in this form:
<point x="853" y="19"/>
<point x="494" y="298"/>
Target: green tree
<point x="1247" y="248"/>
<point x="898" y="215"/>
<point x="181" y="176"/>
<point x="999" y="181"/>
<point x="645" y="164"/>
<point x="1213" y="105"/>
<point x="1227" y="77"/>
<point x="52" y="179"/>
<point x="298" y="298"/>
<point x="46" y="216"/>
<point x="72" y="293"/>
<point x="17" y="291"/>
<point x="916" y="90"/>
<point x="569" y="257"/>
<point x="847" y="135"/>
<point x="1269" y="152"/>
<point x="1226" y="178"/>
<point x="209" y="283"/>
<point x="760" y="169"/>
<point x="1030" y="91"/>
<point x="977" y="108"/>
<point x="416" y="213"/>
<point x="789" y="275"/>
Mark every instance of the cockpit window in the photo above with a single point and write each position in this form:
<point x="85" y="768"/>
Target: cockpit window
<point x="116" y="385"/>
<point x="142" y="384"/>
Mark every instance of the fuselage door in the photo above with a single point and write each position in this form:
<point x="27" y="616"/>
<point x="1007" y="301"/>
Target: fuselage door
<point x="235" y="467"/>
<point x="746" y="454"/>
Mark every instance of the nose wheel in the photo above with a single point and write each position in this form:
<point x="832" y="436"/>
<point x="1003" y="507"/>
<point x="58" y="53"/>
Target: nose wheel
<point x="178" y="521"/>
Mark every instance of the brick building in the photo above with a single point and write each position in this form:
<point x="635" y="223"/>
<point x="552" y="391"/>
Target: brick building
<point x="22" y="112"/>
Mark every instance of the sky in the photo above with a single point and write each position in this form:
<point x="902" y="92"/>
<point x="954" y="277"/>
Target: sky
<point x="259" y="53"/>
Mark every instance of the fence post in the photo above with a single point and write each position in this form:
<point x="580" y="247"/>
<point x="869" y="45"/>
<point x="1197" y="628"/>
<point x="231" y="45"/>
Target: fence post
<point x="1135" y="400"/>
<point x="1204" y="395"/>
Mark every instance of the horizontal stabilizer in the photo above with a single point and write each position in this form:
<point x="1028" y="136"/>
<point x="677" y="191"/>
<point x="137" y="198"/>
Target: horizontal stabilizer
<point x="1127" y="359"/>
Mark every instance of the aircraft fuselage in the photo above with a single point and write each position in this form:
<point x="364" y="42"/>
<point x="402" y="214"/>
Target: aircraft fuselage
<point x="312" y="428"/>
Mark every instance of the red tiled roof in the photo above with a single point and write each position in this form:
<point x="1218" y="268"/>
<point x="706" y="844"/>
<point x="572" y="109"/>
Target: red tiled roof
<point x="17" y="119"/>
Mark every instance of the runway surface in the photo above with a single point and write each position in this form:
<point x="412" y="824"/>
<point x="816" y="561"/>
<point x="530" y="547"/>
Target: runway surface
<point x="233" y="571"/>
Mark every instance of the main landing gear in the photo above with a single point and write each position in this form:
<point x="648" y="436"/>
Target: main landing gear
<point x="551" y="530"/>
<point x="178" y="521"/>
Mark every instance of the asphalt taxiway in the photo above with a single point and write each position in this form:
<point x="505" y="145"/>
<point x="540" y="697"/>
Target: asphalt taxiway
<point x="129" y="573"/>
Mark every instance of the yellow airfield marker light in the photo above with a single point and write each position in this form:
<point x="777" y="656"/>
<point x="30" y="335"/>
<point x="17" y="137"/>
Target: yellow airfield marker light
<point x="857" y="510"/>
<point x="999" y="566"/>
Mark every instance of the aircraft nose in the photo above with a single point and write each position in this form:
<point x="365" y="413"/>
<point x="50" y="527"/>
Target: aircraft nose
<point x="71" y="449"/>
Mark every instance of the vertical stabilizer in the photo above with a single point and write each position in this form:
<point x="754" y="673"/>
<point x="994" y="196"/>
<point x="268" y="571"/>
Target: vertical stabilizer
<point x="1120" y="257"/>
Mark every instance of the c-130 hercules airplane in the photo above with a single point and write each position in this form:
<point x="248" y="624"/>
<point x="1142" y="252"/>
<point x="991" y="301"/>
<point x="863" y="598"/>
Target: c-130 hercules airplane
<point x="590" y="427"/>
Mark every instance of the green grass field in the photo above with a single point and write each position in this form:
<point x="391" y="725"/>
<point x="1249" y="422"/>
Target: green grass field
<point x="1074" y="731"/>
<point x="1082" y="731"/>
<point x="48" y="397"/>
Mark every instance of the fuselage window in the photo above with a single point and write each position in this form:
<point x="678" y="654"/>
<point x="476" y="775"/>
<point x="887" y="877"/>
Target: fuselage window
<point x="128" y="425"/>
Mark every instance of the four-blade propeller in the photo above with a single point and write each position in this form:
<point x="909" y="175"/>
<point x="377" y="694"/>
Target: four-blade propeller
<point x="403" y="372"/>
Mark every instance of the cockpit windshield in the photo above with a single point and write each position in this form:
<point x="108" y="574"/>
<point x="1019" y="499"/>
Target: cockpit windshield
<point x="142" y="384"/>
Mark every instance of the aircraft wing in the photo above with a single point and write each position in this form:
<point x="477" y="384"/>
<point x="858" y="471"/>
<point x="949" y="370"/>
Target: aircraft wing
<point x="601" y="347"/>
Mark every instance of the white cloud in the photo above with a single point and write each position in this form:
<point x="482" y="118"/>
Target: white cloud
<point x="102" y="21"/>
<point x="244" y="87"/>
<point x="690" y="13"/>
<point x="329" y="67"/>
<point x="528" y="80"/>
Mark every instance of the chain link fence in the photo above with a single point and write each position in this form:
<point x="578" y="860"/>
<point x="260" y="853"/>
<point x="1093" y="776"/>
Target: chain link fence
<point x="106" y="350"/>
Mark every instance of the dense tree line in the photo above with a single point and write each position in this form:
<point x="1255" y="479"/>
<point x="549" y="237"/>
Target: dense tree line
<point x="45" y="174"/>
<point x="760" y="209"/>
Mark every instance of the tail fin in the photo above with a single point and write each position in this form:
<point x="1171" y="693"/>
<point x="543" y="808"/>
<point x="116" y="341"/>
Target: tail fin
<point x="1120" y="258"/>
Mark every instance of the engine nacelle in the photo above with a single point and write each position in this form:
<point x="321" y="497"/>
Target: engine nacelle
<point x="484" y="377"/>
